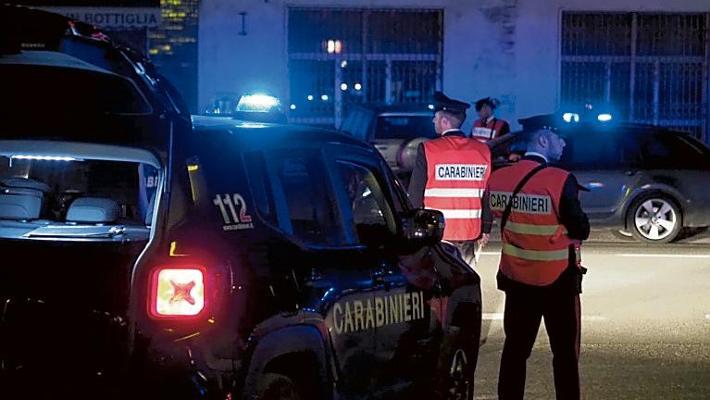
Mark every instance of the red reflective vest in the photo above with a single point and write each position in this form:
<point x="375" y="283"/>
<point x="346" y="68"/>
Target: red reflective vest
<point x="535" y="243"/>
<point x="484" y="131"/>
<point x="457" y="173"/>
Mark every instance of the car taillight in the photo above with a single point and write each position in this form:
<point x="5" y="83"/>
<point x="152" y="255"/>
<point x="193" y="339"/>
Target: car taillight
<point x="177" y="292"/>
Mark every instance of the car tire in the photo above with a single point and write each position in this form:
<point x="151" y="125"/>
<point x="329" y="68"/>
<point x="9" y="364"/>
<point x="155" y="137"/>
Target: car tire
<point x="460" y="368"/>
<point x="654" y="218"/>
<point x="276" y="387"/>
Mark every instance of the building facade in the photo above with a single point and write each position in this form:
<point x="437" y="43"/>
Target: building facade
<point x="648" y="59"/>
<point x="173" y="46"/>
<point x="125" y="21"/>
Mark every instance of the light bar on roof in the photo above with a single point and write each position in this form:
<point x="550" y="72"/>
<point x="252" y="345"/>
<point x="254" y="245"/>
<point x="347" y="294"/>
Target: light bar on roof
<point x="257" y="102"/>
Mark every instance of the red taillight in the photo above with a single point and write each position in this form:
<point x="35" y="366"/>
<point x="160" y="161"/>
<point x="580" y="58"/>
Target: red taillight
<point x="177" y="292"/>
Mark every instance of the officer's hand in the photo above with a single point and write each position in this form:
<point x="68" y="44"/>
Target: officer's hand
<point x="483" y="241"/>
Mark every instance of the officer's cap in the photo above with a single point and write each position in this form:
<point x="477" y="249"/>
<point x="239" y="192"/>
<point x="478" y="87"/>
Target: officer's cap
<point x="544" y="121"/>
<point x="443" y="103"/>
<point x="492" y="103"/>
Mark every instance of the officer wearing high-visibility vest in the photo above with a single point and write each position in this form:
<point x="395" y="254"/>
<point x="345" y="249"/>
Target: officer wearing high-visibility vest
<point x="488" y="126"/>
<point x="450" y="175"/>
<point x="540" y="270"/>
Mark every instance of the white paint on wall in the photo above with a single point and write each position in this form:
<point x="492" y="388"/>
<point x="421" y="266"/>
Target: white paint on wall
<point x="508" y="49"/>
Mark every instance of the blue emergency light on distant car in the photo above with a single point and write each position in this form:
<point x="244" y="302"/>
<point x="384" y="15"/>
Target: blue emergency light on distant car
<point x="604" y="117"/>
<point x="570" y="117"/>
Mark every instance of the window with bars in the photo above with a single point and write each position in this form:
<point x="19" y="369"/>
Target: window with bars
<point x="342" y="57"/>
<point x="651" y="68"/>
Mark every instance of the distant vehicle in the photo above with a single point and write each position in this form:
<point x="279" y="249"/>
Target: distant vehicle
<point x="395" y="130"/>
<point x="644" y="181"/>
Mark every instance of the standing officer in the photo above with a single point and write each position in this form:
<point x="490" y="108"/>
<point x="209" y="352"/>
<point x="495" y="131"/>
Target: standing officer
<point x="540" y="271"/>
<point x="450" y="175"/>
<point x="488" y="127"/>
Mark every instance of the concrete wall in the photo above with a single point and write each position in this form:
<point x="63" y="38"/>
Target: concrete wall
<point x="508" y="49"/>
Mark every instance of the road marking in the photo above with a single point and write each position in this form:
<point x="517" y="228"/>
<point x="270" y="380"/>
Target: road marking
<point x="493" y="316"/>
<point x="707" y="316"/>
<point x="499" y="317"/>
<point x="665" y="255"/>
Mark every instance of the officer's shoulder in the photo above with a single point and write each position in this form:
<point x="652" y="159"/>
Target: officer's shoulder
<point x="558" y="170"/>
<point x="479" y="145"/>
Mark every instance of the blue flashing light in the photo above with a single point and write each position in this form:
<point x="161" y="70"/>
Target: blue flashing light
<point x="570" y="117"/>
<point x="604" y="117"/>
<point x="257" y="103"/>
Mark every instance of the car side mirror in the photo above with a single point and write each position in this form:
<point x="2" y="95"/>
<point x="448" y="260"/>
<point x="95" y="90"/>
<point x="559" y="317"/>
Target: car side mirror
<point x="423" y="226"/>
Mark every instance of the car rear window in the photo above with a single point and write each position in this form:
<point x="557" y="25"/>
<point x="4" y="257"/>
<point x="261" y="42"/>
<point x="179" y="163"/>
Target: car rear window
<point x="592" y="149"/>
<point x="45" y="188"/>
<point x="673" y="151"/>
<point x="38" y="90"/>
<point x="404" y="127"/>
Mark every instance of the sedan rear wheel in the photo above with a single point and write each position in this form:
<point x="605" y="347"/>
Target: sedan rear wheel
<point x="655" y="219"/>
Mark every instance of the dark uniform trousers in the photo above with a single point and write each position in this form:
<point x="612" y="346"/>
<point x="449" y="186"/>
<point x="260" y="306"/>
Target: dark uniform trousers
<point x="524" y="308"/>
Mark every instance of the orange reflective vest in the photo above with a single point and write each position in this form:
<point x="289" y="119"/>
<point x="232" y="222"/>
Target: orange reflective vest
<point x="484" y="131"/>
<point x="457" y="174"/>
<point x="535" y="243"/>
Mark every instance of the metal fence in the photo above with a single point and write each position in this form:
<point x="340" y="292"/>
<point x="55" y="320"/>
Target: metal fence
<point x="652" y="68"/>
<point x="341" y="57"/>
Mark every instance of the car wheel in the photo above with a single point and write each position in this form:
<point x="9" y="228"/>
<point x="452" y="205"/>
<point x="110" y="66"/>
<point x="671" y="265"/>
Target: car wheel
<point x="654" y="218"/>
<point x="461" y="367"/>
<point x="276" y="387"/>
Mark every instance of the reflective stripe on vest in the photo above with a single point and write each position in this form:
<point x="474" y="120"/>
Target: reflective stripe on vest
<point x="461" y="214"/>
<point x="440" y="192"/>
<point x="481" y="132"/>
<point x="533" y="229"/>
<point x="484" y="132"/>
<point x="457" y="174"/>
<point x="536" y="255"/>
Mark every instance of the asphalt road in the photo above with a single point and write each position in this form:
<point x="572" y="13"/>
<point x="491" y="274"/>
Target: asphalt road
<point x="645" y="323"/>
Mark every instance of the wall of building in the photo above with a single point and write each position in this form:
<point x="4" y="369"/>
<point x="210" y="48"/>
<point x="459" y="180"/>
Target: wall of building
<point x="508" y="49"/>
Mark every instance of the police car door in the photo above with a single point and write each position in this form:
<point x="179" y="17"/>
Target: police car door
<point x="399" y="314"/>
<point x="334" y="280"/>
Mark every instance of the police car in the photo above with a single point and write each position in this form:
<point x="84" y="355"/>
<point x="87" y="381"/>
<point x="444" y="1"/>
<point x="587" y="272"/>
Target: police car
<point x="262" y="261"/>
<point x="233" y="259"/>
<point x="292" y="266"/>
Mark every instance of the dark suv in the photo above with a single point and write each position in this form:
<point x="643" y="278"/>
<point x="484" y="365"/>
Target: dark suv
<point x="645" y="181"/>
<point x="262" y="261"/>
<point x="143" y="258"/>
<point x="295" y="268"/>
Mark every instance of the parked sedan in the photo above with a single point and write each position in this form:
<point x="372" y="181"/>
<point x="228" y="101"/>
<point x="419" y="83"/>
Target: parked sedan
<point x="645" y="181"/>
<point x="395" y="130"/>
